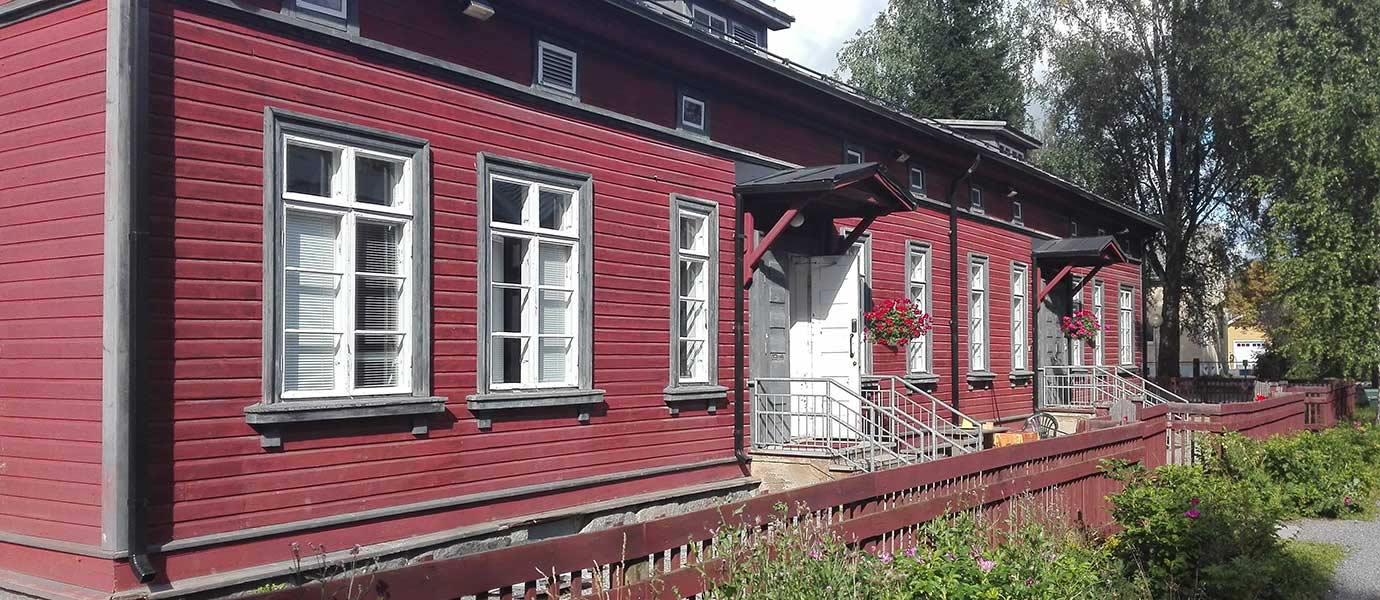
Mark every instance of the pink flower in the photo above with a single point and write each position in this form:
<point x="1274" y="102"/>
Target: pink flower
<point x="816" y="554"/>
<point x="1347" y="500"/>
<point x="986" y="565"/>
<point x="910" y="551"/>
<point x="1192" y="513"/>
<point x="886" y="558"/>
<point x="1193" y="501"/>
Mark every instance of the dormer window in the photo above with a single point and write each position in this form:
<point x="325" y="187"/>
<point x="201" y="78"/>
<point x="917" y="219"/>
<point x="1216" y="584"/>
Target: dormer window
<point x="557" y="68"/>
<point x="709" y="19"/>
<point x="694" y="113"/>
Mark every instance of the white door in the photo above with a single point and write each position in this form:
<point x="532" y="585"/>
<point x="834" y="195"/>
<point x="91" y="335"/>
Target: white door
<point x="826" y="342"/>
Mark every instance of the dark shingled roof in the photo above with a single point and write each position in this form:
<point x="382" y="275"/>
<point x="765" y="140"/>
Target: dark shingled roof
<point x="851" y="190"/>
<point x="1080" y="251"/>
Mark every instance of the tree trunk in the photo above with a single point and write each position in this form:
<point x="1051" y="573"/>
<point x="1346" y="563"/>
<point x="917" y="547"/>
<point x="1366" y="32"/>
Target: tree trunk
<point x="1167" y="359"/>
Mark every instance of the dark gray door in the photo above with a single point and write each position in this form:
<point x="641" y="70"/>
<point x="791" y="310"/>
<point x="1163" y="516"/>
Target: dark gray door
<point x="770" y="330"/>
<point x="1053" y="346"/>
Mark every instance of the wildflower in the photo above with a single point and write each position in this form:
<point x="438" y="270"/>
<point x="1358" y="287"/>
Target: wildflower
<point x="911" y="551"/>
<point x="1030" y="581"/>
<point x="1193" y="501"/>
<point x="886" y="558"/>
<point x="1347" y="500"/>
<point x="1192" y="513"/>
<point x="816" y="554"/>
<point x="986" y="565"/>
<point x="949" y="555"/>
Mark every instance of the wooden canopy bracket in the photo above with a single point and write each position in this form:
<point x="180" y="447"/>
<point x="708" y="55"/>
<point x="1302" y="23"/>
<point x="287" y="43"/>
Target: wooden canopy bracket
<point x="754" y="257"/>
<point x="1086" y="278"/>
<point x="1046" y="289"/>
<point x="855" y="234"/>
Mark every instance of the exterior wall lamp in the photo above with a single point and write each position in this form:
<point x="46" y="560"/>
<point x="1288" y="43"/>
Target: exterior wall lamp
<point x="477" y="9"/>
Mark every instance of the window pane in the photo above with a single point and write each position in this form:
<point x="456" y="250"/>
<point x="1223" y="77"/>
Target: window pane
<point x="309" y="170"/>
<point x="555" y="210"/>
<point x="692" y="360"/>
<point x="330" y="6"/>
<point x="693" y="233"/>
<point x="692" y="319"/>
<point x="917" y="267"/>
<point x="555" y="313"/>
<point x="555" y="265"/>
<point x="917" y="295"/>
<point x="309" y="300"/>
<point x="507" y="201"/>
<point x="505" y="360"/>
<point x="377" y="181"/>
<point x="505" y="314"/>
<point x="376" y="247"/>
<point x="508" y="256"/>
<point x="554" y="356"/>
<point x="376" y="304"/>
<point x="311" y="240"/>
<point x="309" y="361"/>
<point x="692" y="279"/>
<point x="376" y="360"/>
<point x="692" y="112"/>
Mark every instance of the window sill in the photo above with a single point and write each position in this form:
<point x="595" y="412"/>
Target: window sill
<point x="482" y="404"/>
<point x="924" y="381"/>
<point x="1021" y="377"/>
<point x="269" y="417"/>
<point x="711" y="395"/>
<point x="978" y="379"/>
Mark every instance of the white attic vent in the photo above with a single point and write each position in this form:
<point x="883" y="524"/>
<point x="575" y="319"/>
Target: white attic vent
<point x="556" y="67"/>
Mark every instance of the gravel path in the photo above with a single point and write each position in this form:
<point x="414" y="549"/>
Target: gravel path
<point x="1358" y="578"/>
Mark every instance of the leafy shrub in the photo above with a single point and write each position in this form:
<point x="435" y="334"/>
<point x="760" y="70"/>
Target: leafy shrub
<point x="1333" y="473"/>
<point x="1195" y="535"/>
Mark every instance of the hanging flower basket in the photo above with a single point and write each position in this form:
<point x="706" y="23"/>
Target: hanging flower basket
<point x="896" y="322"/>
<point x="1081" y="325"/>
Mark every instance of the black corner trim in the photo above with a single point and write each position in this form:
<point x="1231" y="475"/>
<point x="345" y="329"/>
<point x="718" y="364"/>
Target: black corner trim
<point x="711" y="395"/>
<point x="483" y="404"/>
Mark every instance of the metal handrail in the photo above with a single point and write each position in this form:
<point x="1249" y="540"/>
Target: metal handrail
<point x="1101" y="383"/>
<point x="865" y="438"/>
<point x="954" y="413"/>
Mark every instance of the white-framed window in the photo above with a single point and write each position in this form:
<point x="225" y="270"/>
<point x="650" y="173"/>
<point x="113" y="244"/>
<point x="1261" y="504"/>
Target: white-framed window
<point x="558" y="67"/>
<point x="332" y="8"/>
<point x="975" y="200"/>
<point x="348" y="237"/>
<point x="1076" y="304"/>
<point x="534" y="283"/>
<point x="917" y="181"/>
<point x="1017" y="213"/>
<point x="709" y="19"/>
<point x="918" y="351"/>
<point x="694" y="113"/>
<point x="977" y="314"/>
<point x="1073" y="228"/>
<point x="852" y="154"/>
<point x="1099" y="352"/>
<point x="1125" y="326"/>
<point x="1020" y="315"/>
<point x="694" y="259"/>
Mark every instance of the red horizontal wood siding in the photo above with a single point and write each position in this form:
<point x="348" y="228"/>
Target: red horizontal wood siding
<point x="52" y="100"/>
<point x="212" y="79"/>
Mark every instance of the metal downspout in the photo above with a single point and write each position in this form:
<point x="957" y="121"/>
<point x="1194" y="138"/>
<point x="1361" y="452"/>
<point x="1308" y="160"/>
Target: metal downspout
<point x="739" y="383"/>
<point x="127" y="35"/>
<point x="953" y="278"/>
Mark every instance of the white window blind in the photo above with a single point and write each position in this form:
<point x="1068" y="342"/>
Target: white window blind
<point x="533" y="284"/>
<point x="918" y="280"/>
<point x="977" y="314"/>
<point x="1097" y="300"/>
<point x="557" y="67"/>
<point x="1125" y="319"/>
<point x="1019" y="316"/>
<point x="347" y="216"/>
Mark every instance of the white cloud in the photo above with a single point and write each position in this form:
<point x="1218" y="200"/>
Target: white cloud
<point x="820" y="29"/>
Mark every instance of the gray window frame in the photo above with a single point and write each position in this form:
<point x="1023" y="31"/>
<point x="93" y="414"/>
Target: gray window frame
<point x="349" y="23"/>
<point x="1017" y="212"/>
<point x="914" y="247"/>
<point x="911" y="170"/>
<point x="688" y="93"/>
<point x="986" y="372"/>
<point x="1022" y="342"/>
<point x="854" y="149"/>
<point x="975" y="201"/>
<point x="709" y="391"/>
<point x="273" y="410"/>
<point x="537" y="60"/>
<point x="1126" y="331"/>
<point x="486" y="400"/>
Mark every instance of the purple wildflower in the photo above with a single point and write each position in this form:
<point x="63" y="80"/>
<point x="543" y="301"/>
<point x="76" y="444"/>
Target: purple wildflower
<point x="986" y="565"/>
<point x="1193" y="501"/>
<point x="911" y="551"/>
<point x="886" y="558"/>
<point x="1192" y="513"/>
<point x="816" y="554"/>
<point x="949" y="555"/>
<point x="1347" y="500"/>
<point x="1030" y="582"/>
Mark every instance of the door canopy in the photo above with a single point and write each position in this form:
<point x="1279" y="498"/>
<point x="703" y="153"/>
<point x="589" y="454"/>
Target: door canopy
<point x="1066" y="254"/>
<point x="791" y="197"/>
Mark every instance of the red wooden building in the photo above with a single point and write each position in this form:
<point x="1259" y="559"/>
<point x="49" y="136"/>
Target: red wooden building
<point x="433" y="276"/>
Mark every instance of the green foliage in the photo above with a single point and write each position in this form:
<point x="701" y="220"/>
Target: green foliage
<point x="1194" y="535"/>
<point x="1334" y="473"/>
<point x="967" y="59"/>
<point x="1314" y="123"/>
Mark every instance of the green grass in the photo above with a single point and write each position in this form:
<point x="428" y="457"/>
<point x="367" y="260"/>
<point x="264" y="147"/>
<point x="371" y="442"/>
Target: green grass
<point x="1309" y="567"/>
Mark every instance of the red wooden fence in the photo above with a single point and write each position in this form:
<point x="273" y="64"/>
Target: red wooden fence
<point x="662" y="558"/>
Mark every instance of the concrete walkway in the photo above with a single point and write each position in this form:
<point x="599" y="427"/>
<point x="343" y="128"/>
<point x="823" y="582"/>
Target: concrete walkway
<point x="1358" y="578"/>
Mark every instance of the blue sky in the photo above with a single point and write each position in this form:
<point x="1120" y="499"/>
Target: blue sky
<point x="821" y="27"/>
